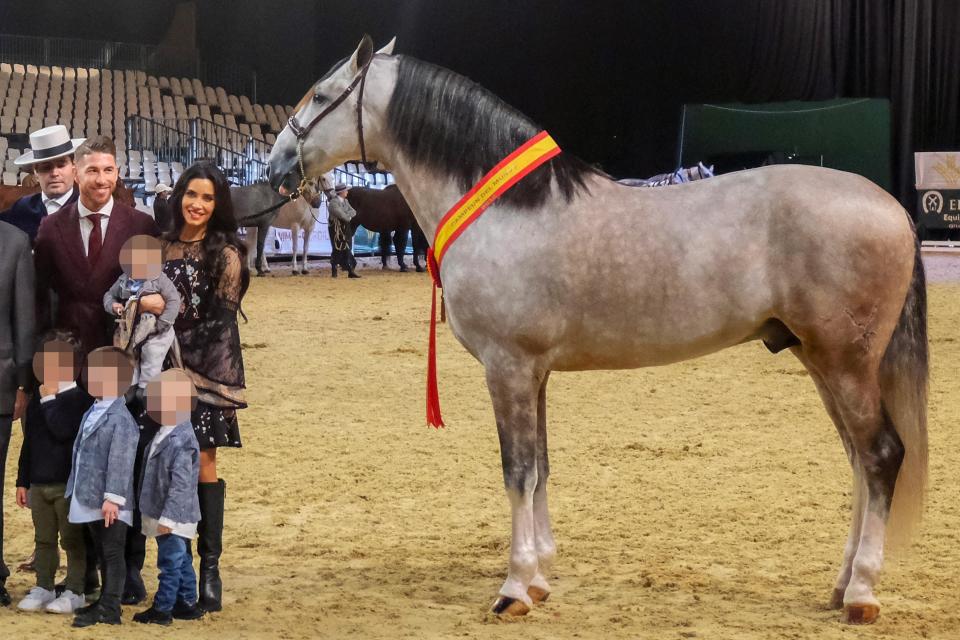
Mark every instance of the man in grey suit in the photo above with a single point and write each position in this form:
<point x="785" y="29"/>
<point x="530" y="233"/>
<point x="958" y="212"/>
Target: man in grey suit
<point x="16" y="349"/>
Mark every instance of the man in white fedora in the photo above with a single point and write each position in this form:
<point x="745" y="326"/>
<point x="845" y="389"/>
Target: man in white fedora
<point x="51" y="158"/>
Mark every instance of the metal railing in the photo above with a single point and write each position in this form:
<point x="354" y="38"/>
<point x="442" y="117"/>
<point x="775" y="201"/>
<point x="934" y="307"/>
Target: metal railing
<point x="219" y="135"/>
<point x="184" y="143"/>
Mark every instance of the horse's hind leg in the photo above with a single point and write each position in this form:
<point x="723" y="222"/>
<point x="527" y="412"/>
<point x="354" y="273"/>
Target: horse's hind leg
<point x="859" y="491"/>
<point x="384" y="249"/>
<point x="853" y="381"/>
<point x="400" y="246"/>
<point x="514" y="388"/>
<point x="539" y="589"/>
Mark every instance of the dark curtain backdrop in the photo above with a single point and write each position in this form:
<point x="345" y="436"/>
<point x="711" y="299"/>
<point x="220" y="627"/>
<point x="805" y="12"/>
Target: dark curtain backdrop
<point x="607" y="78"/>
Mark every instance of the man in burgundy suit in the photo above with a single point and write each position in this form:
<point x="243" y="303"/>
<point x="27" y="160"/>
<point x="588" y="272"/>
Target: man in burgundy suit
<point x="77" y="252"/>
<point x="77" y="257"/>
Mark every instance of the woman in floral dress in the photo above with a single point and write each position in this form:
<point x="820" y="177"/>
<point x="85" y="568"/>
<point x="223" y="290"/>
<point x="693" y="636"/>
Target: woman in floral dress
<point x="207" y="262"/>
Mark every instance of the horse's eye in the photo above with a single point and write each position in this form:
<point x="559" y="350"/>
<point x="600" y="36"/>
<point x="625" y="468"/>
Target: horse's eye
<point x="318" y="98"/>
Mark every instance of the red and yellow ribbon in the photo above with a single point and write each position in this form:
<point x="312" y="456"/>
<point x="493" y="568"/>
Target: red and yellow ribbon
<point x="494" y="184"/>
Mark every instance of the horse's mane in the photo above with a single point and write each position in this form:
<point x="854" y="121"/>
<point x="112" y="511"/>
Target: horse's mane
<point x="450" y="124"/>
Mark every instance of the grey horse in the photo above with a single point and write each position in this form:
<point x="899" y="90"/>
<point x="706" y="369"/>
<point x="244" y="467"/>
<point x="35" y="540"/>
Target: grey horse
<point x="823" y="263"/>
<point x="251" y="204"/>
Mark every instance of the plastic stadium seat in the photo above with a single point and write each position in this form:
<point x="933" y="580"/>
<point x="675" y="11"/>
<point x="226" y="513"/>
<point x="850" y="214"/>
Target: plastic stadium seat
<point x="235" y="107"/>
<point x="175" y="88"/>
<point x="9" y="178"/>
<point x="20" y="125"/>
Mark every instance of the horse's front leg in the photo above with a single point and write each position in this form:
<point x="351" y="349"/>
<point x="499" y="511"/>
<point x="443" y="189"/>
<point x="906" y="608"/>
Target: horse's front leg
<point x="514" y="387"/>
<point x="294" y="240"/>
<point x="306" y="248"/>
<point x="539" y="589"/>
<point x="262" y="267"/>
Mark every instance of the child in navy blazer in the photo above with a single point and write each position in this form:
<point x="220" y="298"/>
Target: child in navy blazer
<point x="53" y="419"/>
<point x="169" y="503"/>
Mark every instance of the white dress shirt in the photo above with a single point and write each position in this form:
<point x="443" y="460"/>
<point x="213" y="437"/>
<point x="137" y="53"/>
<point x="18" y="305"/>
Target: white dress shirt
<point x="150" y="527"/>
<point x="86" y="226"/>
<point x="54" y="204"/>
<point x="82" y="513"/>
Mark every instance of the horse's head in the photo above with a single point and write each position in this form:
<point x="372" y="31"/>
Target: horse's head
<point x="326" y="124"/>
<point x="311" y="193"/>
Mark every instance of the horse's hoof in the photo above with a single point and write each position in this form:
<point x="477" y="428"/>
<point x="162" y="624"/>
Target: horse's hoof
<point x="836" y="600"/>
<point x="861" y="613"/>
<point x="304" y="271"/>
<point x="294" y="273"/>
<point x="506" y="606"/>
<point x="403" y="269"/>
<point x="537" y="594"/>
<point x="419" y="269"/>
<point x="260" y="274"/>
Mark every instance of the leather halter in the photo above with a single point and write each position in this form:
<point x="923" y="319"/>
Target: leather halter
<point x="303" y="131"/>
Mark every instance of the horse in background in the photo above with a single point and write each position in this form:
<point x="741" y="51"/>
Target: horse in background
<point x="296" y="215"/>
<point x="250" y="204"/>
<point x="385" y="211"/>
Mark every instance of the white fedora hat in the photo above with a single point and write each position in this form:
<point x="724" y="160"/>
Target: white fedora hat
<point x="49" y="143"/>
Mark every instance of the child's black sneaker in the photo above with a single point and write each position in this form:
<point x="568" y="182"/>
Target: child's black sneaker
<point x="153" y="616"/>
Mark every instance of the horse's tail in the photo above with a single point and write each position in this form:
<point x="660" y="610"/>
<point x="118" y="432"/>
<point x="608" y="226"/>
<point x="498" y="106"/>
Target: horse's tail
<point x="903" y="384"/>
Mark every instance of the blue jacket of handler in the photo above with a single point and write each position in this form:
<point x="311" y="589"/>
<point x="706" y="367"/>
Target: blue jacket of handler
<point x="103" y="457"/>
<point x="168" y="488"/>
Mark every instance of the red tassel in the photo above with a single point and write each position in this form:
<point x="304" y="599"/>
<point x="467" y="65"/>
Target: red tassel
<point x="433" y="394"/>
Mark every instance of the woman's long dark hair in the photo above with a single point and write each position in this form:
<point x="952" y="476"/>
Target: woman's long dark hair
<point x="221" y="227"/>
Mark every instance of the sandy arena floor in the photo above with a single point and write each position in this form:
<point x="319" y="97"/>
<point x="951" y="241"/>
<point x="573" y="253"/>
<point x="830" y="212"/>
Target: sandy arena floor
<point x="707" y="499"/>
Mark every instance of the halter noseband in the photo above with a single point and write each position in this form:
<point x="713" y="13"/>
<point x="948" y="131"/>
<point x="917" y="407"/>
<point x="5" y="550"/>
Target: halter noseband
<point x="301" y="132"/>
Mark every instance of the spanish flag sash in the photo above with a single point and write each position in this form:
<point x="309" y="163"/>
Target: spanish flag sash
<point x="494" y="184"/>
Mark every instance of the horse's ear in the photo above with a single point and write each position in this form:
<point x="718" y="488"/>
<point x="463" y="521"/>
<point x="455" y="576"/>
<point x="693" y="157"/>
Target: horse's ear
<point x="388" y="49"/>
<point x="362" y="55"/>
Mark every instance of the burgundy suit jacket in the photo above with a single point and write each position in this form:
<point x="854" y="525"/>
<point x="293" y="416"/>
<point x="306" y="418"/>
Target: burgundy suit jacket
<point x="63" y="269"/>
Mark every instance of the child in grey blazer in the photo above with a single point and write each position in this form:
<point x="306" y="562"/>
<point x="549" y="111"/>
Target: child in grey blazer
<point x="142" y="263"/>
<point x="101" y="477"/>
<point x="169" y="503"/>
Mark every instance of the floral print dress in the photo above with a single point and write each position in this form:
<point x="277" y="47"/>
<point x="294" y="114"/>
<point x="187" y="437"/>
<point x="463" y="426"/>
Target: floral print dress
<point x="209" y="338"/>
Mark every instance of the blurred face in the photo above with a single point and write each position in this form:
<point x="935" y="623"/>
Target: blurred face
<point x="170" y="397"/>
<point x="56" y="176"/>
<point x="141" y="257"/>
<point x="55" y="364"/>
<point x="97" y="176"/>
<point x="108" y="374"/>
<point x="198" y="203"/>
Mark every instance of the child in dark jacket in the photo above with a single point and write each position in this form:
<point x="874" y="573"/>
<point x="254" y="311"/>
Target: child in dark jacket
<point x="169" y="503"/>
<point x="53" y="418"/>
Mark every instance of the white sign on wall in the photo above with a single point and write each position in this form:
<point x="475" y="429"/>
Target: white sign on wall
<point x="937" y="169"/>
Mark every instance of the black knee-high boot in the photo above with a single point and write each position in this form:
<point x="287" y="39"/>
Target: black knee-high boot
<point x="210" y="543"/>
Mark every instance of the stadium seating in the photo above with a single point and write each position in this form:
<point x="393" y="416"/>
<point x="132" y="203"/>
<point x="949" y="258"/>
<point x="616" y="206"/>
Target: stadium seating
<point x="93" y="101"/>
